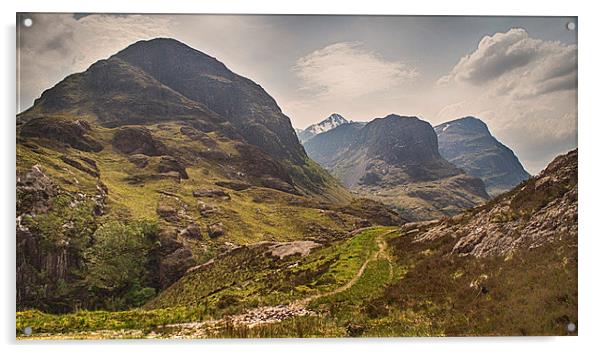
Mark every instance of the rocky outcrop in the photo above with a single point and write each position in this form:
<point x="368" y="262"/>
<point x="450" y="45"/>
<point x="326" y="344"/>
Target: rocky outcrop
<point x="170" y="164"/>
<point x="216" y="230"/>
<point x="71" y="133"/>
<point x="137" y="140"/>
<point x="536" y="212"/>
<point x="469" y="145"/>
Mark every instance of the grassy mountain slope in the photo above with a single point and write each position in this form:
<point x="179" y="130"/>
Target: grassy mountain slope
<point x="517" y="277"/>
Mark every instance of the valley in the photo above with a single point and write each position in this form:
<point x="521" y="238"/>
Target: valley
<point x="161" y="195"/>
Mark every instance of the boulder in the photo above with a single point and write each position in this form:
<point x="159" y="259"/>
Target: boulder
<point x="170" y="164"/>
<point x="215" y="230"/>
<point x="192" y="231"/>
<point x="168" y="213"/>
<point x="206" y="209"/>
<point x="137" y="140"/>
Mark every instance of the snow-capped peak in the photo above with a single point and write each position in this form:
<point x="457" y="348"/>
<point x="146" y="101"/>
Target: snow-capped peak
<point x="329" y="123"/>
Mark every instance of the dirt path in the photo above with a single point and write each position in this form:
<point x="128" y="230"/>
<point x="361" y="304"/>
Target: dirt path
<point x="273" y="314"/>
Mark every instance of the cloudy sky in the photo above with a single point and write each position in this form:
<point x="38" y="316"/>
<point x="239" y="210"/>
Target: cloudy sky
<point x="518" y="74"/>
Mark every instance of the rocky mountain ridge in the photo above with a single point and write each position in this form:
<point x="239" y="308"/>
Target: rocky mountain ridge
<point x="468" y="144"/>
<point x="327" y="124"/>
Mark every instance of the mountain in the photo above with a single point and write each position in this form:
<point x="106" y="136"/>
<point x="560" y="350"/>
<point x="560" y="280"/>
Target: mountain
<point x="448" y="277"/>
<point x="327" y="124"/>
<point x="163" y="80"/>
<point x="468" y="144"/>
<point x="164" y="152"/>
<point x="396" y="160"/>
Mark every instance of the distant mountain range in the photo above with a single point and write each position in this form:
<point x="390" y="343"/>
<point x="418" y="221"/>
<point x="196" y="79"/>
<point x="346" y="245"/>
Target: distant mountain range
<point x="467" y="143"/>
<point x="327" y="124"/>
<point x="396" y="160"/>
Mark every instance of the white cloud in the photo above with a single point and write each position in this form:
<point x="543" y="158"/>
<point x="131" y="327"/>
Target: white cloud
<point x="346" y="70"/>
<point x="57" y="45"/>
<point x="516" y="64"/>
<point x="525" y="90"/>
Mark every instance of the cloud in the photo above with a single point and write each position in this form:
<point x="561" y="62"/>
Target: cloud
<point x="347" y="70"/>
<point x="524" y="88"/>
<point x="516" y="64"/>
<point x="60" y="44"/>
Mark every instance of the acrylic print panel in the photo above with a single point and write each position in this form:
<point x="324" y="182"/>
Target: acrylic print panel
<point x="226" y="176"/>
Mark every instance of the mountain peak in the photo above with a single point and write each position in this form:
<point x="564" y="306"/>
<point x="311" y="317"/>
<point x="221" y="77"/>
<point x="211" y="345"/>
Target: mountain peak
<point x="467" y="123"/>
<point x="327" y="124"/>
<point x="468" y="143"/>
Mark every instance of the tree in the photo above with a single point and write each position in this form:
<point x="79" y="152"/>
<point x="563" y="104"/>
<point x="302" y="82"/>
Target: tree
<point x="117" y="258"/>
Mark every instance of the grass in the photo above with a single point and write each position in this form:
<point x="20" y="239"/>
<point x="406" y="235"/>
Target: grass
<point x="40" y="322"/>
<point x="262" y="280"/>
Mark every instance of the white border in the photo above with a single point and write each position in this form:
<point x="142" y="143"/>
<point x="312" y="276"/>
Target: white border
<point x="590" y="198"/>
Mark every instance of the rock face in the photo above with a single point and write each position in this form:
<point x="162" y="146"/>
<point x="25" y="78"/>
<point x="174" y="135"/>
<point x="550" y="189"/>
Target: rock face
<point x="327" y="124"/>
<point x="396" y="160"/>
<point x="535" y="212"/>
<point x="137" y="140"/>
<point x="72" y="133"/>
<point x="469" y="145"/>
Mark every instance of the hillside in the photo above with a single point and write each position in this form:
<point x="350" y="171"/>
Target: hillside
<point x="468" y="144"/>
<point x="396" y="160"/>
<point x="142" y="164"/>
<point x="449" y="277"/>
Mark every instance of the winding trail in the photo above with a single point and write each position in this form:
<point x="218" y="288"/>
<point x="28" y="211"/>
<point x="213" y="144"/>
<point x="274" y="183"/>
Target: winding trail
<point x="273" y="314"/>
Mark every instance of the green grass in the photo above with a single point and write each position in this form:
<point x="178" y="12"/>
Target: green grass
<point x="84" y="320"/>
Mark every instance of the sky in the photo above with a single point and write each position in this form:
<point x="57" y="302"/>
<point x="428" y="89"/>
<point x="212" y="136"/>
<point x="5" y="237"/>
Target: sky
<point x="518" y="74"/>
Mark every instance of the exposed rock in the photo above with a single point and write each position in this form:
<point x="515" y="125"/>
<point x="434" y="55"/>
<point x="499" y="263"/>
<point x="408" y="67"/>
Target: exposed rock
<point x="277" y="184"/>
<point x="169" y="164"/>
<point x="216" y="230"/>
<point x="206" y="209"/>
<point x="34" y="191"/>
<point x="77" y="165"/>
<point x="192" y="231"/>
<point x="139" y="160"/>
<point x="174" y="266"/>
<point x="201" y="78"/>
<point x="300" y="247"/>
<point x="211" y="193"/>
<point x="542" y="209"/>
<point x="234" y="185"/>
<point x="71" y="133"/>
<point x="137" y="140"/>
<point x="168" y="213"/>
<point x="90" y="162"/>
